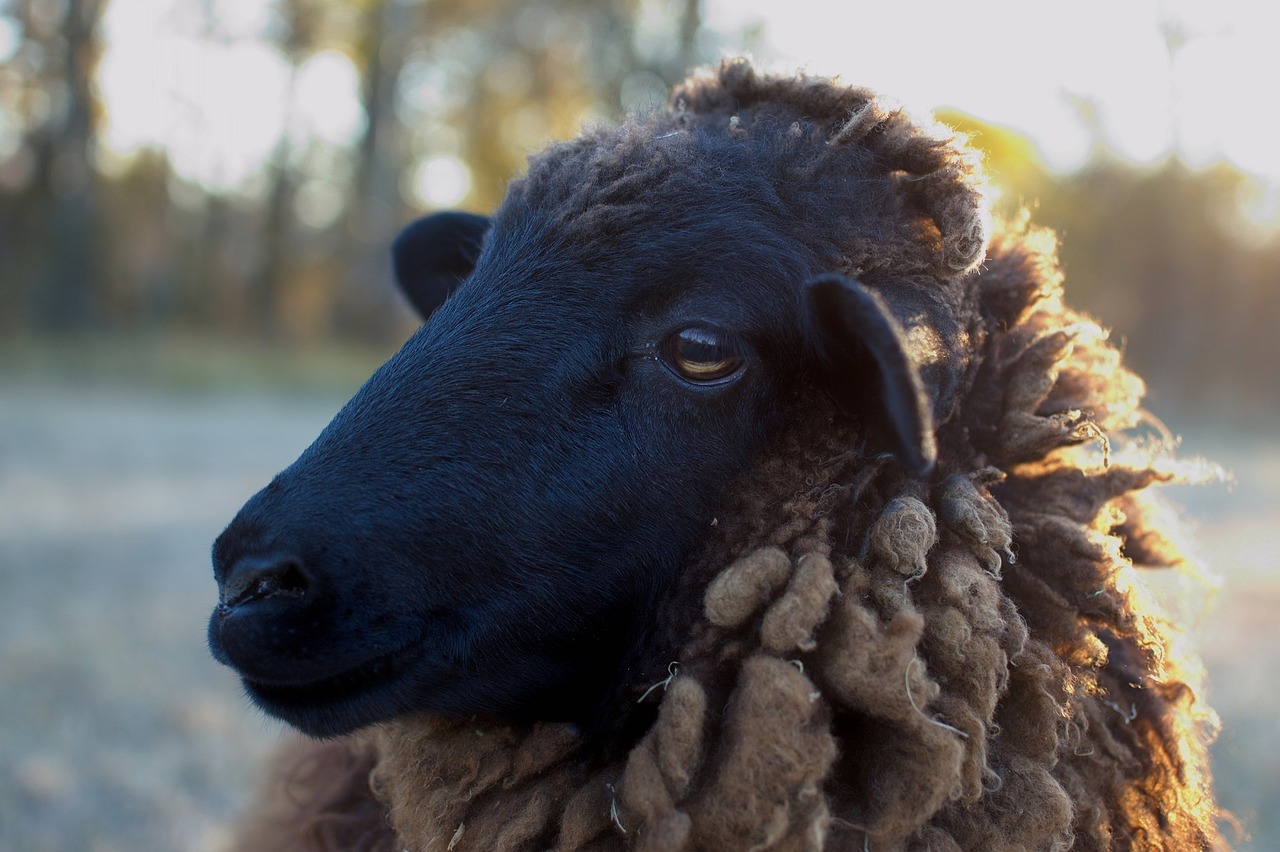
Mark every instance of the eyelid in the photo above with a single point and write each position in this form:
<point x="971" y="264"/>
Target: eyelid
<point x="723" y="360"/>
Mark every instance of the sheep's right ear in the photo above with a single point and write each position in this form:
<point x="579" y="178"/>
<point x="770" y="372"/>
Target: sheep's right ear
<point x="436" y="253"/>
<point x="863" y="349"/>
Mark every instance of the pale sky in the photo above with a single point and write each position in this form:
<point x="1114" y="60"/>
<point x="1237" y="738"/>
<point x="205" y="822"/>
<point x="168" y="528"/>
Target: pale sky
<point x="1029" y="65"/>
<point x="218" y="101"/>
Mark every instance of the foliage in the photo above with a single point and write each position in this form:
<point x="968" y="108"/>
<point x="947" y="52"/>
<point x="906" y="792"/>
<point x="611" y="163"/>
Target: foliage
<point x="91" y="242"/>
<point x="1165" y="257"/>
<point x="137" y="244"/>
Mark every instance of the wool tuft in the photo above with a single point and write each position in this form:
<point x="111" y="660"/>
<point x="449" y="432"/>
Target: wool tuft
<point x="903" y="534"/>
<point x="745" y="586"/>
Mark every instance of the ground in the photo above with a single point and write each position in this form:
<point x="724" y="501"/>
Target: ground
<point x="119" y="732"/>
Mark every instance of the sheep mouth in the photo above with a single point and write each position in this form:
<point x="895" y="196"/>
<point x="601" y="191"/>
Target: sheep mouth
<point x="339" y="703"/>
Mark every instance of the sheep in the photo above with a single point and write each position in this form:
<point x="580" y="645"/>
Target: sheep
<point x="745" y="488"/>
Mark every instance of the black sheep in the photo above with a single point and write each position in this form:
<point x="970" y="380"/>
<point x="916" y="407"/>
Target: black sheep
<point x="485" y="526"/>
<point x="689" y="519"/>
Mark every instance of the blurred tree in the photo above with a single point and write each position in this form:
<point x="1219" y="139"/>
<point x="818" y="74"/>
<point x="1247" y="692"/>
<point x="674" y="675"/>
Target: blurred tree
<point x="455" y="94"/>
<point x="296" y="42"/>
<point x="1012" y="162"/>
<point x="446" y="99"/>
<point x="374" y="209"/>
<point x="50" y="220"/>
<point x="506" y="77"/>
<point x="459" y="92"/>
<point x="1162" y="256"/>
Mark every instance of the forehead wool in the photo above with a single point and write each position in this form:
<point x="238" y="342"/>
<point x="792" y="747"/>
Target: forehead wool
<point x="832" y="168"/>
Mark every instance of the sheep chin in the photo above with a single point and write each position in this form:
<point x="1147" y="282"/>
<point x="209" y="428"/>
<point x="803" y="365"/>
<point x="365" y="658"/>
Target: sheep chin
<point x="372" y="692"/>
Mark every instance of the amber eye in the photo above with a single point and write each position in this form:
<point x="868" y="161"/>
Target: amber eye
<point x="703" y="355"/>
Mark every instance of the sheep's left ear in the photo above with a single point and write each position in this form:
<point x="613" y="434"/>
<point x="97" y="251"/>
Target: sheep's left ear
<point x="435" y="254"/>
<point x="863" y="349"/>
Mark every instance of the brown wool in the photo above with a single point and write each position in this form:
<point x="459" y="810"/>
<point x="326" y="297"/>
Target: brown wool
<point x="903" y="535"/>
<point x="745" y="585"/>
<point x="863" y="120"/>
<point x="764" y="787"/>
<point x="862" y="663"/>
<point x="977" y="519"/>
<point x="790" y="623"/>
<point x="678" y="734"/>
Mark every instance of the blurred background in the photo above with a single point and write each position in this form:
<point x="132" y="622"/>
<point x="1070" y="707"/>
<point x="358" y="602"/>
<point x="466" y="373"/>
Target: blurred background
<point x="196" y="199"/>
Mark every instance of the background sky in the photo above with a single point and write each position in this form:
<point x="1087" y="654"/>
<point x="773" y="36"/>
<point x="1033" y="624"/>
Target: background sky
<point x="1143" y="79"/>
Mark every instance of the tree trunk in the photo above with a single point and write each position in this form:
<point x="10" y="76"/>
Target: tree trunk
<point x="72" y="283"/>
<point x="374" y="214"/>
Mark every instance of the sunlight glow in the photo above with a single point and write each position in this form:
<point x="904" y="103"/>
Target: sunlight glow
<point x="1217" y="117"/>
<point x="1144" y="78"/>
<point x="214" y="92"/>
<point x="9" y="38"/>
<point x="217" y="107"/>
<point x="327" y="100"/>
<point x="203" y="80"/>
<point x="441" y="181"/>
<point x="233" y="97"/>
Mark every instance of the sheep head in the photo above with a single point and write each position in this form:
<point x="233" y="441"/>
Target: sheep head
<point x="489" y="524"/>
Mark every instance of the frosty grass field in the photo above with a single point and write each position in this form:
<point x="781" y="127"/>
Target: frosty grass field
<point x="118" y="732"/>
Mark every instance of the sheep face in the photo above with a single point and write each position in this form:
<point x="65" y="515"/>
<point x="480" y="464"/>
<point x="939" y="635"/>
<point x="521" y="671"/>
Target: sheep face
<point x="488" y="524"/>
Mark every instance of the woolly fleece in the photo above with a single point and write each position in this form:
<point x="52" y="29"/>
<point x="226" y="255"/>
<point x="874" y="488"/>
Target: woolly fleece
<point x="858" y="660"/>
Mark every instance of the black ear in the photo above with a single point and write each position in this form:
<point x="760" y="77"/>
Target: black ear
<point x="863" y="348"/>
<point x="436" y="253"/>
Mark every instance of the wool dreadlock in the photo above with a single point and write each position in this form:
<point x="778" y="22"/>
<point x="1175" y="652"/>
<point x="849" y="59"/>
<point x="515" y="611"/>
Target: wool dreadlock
<point x="858" y="660"/>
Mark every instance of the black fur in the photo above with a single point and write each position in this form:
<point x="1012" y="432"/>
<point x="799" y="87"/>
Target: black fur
<point x="435" y="254"/>
<point x="488" y="524"/>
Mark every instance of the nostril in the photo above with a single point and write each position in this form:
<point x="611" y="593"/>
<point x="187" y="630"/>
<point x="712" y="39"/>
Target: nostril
<point x="254" y="578"/>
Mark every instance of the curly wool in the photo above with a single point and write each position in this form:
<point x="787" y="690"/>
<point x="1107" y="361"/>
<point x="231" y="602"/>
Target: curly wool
<point x="858" y="660"/>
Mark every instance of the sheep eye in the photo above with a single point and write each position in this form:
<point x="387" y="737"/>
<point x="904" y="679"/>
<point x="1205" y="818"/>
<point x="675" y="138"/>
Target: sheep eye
<point x="703" y="355"/>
